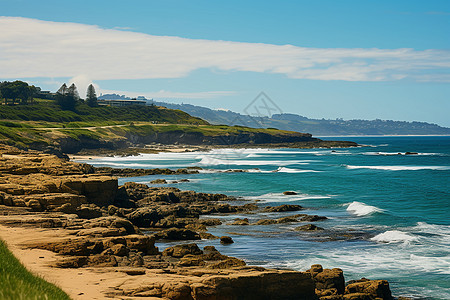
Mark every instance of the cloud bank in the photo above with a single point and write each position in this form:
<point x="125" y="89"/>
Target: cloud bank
<point x="35" y="48"/>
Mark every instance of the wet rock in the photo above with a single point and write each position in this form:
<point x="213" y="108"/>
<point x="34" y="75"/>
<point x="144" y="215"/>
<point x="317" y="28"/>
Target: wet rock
<point x="182" y="250"/>
<point x="287" y="193"/>
<point x="411" y="153"/>
<point x="207" y="236"/>
<point x="211" y="222"/>
<point x="196" y="227"/>
<point x="240" y="222"/>
<point x="266" y="222"/>
<point x="144" y="216"/>
<point x="177" y="234"/>
<point x="226" y="240"/>
<point x="248" y="207"/>
<point x="326" y="279"/>
<point x="287" y="220"/>
<point x="313" y="218"/>
<point x="375" y="288"/>
<point x="159" y="181"/>
<point x="308" y="227"/>
<point x="283" y="208"/>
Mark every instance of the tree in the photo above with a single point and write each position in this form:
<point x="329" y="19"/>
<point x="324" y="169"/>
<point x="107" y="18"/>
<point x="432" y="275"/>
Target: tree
<point x="17" y="90"/>
<point x="67" y="97"/>
<point x="91" y="96"/>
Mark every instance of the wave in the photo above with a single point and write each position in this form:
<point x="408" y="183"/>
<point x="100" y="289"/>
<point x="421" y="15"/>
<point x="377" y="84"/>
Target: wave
<point x="290" y="170"/>
<point x="394" y="236"/>
<point x="280" y="197"/>
<point x="209" y="161"/>
<point x="400" y="168"/>
<point x="361" y="209"/>
<point x="402" y="153"/>
<point x="442" y="230"/>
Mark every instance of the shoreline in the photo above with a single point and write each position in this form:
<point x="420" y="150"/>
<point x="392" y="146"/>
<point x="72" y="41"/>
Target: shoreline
<point x="102" y="252"/>
<point x="389" y="135"/>
<point x="87" y="154"/>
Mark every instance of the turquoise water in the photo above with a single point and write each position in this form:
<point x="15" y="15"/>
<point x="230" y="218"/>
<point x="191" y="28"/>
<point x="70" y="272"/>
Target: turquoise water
<point x="388" y="212"/>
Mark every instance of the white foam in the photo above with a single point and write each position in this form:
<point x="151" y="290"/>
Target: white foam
<point x="361" y="209"/>
<point x="394" y="236"/>
<point x="290" y="170"/>
<point x="400" y="168"/>
<point x="280" y="197"/>
<point x="210" y="161"/>
<point x="401" y="153"/>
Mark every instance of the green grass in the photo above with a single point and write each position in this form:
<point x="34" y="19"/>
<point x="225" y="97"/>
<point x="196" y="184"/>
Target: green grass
<point x="43" y="123"/>
<point x="49" y="111"/>
<point x="16" y="283"/>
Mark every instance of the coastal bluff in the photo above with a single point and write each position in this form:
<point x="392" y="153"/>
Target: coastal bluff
<point x="78" y="228"/>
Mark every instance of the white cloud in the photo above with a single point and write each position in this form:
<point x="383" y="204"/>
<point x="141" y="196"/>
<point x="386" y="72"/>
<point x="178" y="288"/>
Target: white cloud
<point x="34" y="48"/>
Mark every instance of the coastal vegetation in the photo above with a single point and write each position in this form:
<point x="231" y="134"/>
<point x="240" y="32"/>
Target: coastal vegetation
<point x="18" y="283"/>
<point x="83" y="124"/>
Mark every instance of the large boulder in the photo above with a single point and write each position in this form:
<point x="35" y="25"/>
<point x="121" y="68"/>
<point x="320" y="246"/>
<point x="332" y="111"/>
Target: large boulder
<point x="256" y="285"/>
<point x="326" y="279"/>
<point x="142" y="243"/>
<point x="144" y="216"/>
<point x="99" y="190"/>
<point x="182" y="250"/>
<point x="283" y="208"/>
<point x="308" y="227"/>
<point x="177" y="234"/>
<point x="375" y="288"/>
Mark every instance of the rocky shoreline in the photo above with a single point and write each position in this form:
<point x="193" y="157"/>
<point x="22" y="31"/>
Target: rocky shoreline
<point x="79" y="216"/>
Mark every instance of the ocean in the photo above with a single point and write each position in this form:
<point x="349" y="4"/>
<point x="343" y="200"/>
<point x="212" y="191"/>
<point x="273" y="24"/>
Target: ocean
<point x="388" y="212"/>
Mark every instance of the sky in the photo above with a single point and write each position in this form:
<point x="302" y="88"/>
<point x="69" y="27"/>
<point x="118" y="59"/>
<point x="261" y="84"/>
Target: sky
<point x="350" y="59"/>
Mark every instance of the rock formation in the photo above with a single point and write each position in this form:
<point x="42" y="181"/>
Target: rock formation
<point x="103" y="223"/>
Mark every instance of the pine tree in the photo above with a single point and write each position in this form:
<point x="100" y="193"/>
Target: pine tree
<point x="91" y="96"/>
<point x="67" y="97"/>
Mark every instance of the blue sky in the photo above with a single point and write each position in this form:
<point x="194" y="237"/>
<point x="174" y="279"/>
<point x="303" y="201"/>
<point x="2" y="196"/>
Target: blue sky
<point x="345" y="59"/>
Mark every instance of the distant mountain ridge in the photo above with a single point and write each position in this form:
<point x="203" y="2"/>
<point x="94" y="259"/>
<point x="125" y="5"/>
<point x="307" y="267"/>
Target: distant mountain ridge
<point x="316" y="127"/>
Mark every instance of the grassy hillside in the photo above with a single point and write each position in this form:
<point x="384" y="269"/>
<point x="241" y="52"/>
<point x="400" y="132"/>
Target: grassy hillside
<point x="49" y="111"/>
<point x="17" y="283"/>
<point x="44" y="124"/>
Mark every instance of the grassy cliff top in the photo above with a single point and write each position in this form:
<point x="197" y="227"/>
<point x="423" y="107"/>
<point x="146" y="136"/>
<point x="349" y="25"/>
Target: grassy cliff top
<point x="49" y="111"/>
<point x="45" y="123"/>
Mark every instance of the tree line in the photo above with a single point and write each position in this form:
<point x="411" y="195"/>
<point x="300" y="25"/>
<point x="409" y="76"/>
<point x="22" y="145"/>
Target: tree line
<point x="17" y="92"/>
<point x="20" y="93"/>
<point x="68" y="97"/>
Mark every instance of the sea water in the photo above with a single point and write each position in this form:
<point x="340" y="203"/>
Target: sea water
<point x="388" y="211"/>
